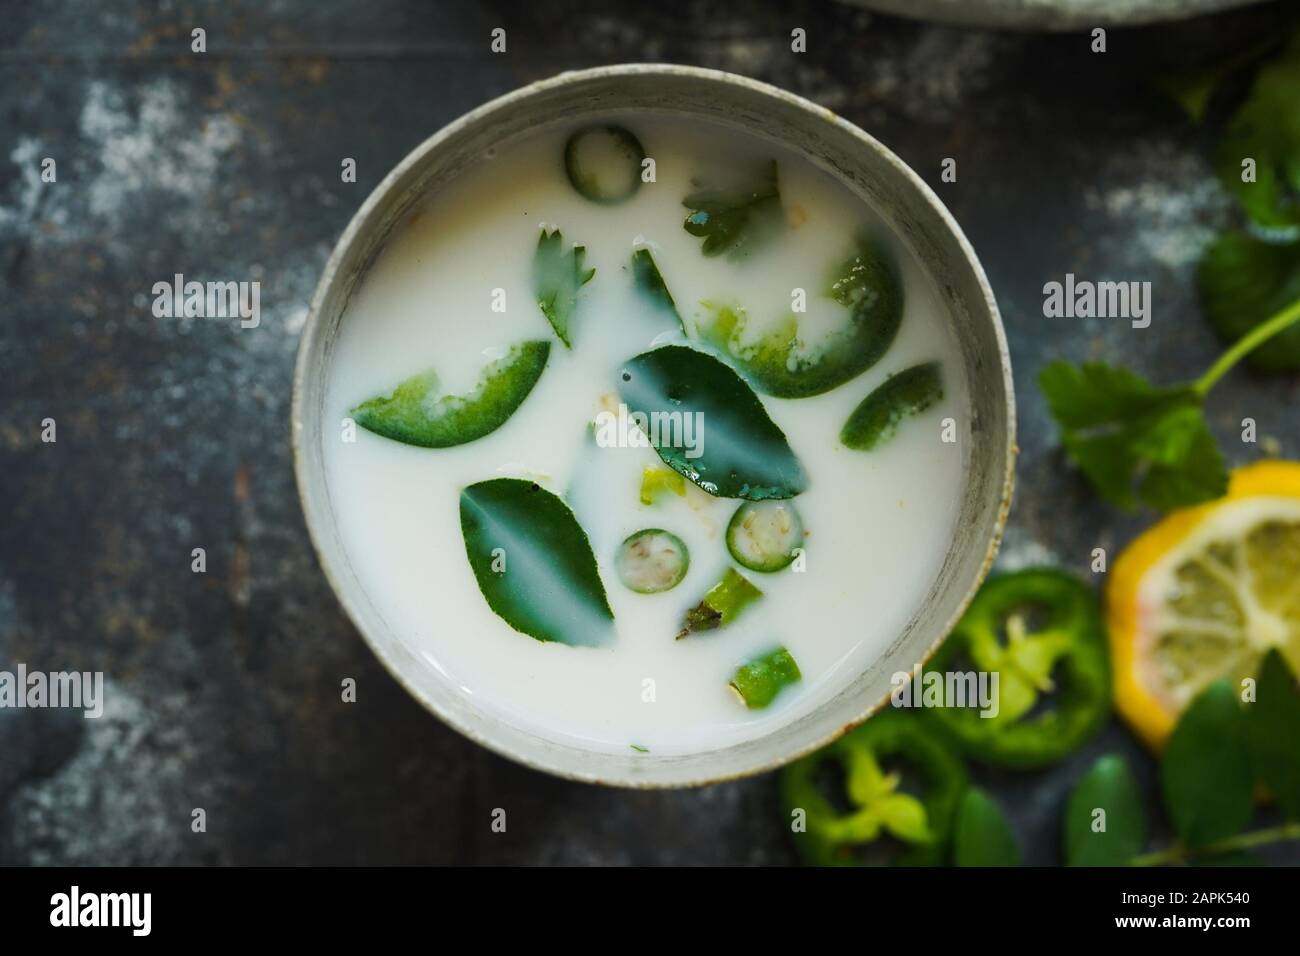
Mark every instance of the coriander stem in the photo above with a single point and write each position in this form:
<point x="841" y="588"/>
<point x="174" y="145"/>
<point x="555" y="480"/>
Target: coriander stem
<point x="1242" y="841"/>
<point x="1247" y="344"/>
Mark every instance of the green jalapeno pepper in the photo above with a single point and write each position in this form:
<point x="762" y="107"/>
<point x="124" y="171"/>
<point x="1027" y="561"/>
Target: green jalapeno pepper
<point x="873" y="759"/>
<point x="1040" y="631"/>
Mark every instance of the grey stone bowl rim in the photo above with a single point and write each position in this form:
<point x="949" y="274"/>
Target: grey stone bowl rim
<point x="361" y="220"/>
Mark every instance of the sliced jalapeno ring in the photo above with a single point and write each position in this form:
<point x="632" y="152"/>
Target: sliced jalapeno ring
<point x="604" y="163"/>
<point x="1040" y="631"/>
<point x="764" y="535"/>
<point x="651" y="561"/>
<point x="872" y="802"/>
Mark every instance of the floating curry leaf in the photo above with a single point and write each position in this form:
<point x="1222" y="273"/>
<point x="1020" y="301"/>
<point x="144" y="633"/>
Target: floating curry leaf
<point x="780" y="363"/>
<point x="733" y="218"/>
<point x="417" y="414"/>
<point x="709" y="426"/>
<point x="557" y="277"/>
<point x="533" y="562"/>
<point x="650" y="282"/>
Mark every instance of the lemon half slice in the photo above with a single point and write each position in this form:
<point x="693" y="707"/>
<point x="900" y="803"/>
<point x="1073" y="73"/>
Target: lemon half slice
<point x="1205" y="594"/>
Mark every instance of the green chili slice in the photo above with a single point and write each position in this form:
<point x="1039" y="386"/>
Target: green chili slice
<point x="758" y="681"/>
<point x="1040" y="631"/>
<point x="779" y="364"/>
<point x="721" y="605"/>
<point x="651" y="561"/>
<point x="876" y="420"/>
<point x="866" y="769"/>
<point x="418" y="413"/>
<point x="764" y="535"/>
<point x="604" y="163"/>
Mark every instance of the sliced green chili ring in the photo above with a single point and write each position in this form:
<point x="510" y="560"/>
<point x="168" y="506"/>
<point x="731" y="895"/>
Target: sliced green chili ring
<point x="721" y="605"/>
<point x="651" y="561"/>
<point x="764" y="535"/>
<point x="760" y="680"/>
<point x="867" y="284"/>
<point x="873" y="804"/>
<point x="417" y="414"/>
<point x="658" y="481"/>
<point x="604" y="163"/>
<point x="876" y="420"/>
<point x="1054" y="644"/>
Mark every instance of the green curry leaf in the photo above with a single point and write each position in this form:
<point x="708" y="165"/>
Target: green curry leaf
<point x="533" y="562"/>
<point x="739" y="452"/>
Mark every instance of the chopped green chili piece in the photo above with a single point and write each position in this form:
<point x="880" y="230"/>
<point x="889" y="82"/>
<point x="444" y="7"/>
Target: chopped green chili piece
<point x="557" y="277"/>
<point x="417" y="414"/>
<point x="877" y="418"/>
<point x="604" y="163"/>
<point x="651" y="561"/>
<point x="656" y="481"/>
<point x="760" y="680"/>
<point x="764" y="535"/>
<point x="875" y="803"/>
<point x="1040" y="631"/>
<point x="721" y="605"/>
<point x="779" y="364"/>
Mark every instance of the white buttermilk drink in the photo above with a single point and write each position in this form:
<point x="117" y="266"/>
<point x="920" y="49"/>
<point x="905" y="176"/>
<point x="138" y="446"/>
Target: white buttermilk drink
<point x="668" y="504"/>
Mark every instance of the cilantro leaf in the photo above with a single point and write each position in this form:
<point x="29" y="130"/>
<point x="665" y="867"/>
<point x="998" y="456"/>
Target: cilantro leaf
<point x="557" y="277"/>
<point x="1132" y="440"/>
<point x="1242" y="282"/>
<point x="1266" y="128"/>
<point x="731" y="219"/>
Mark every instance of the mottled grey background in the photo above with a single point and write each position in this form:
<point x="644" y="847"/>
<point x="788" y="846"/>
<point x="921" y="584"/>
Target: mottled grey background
<point x="224" y="688"/>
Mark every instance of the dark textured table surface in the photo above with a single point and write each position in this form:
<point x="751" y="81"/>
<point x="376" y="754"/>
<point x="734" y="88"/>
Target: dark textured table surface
<point x="223" y="688"/>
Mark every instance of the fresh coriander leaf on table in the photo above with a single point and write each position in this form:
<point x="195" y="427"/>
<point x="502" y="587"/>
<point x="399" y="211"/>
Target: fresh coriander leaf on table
<point x="1133" y="440"/>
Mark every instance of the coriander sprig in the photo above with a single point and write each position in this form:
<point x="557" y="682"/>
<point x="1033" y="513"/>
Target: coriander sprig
<point x="1137" y="441"/>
